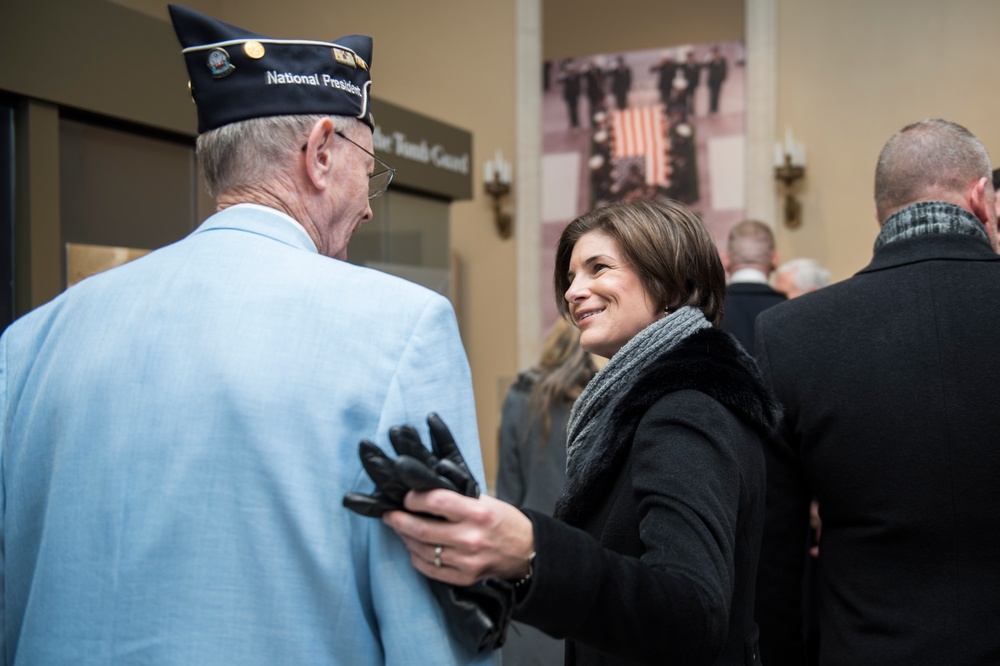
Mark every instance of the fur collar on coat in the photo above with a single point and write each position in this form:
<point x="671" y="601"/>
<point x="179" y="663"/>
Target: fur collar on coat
<point x="709" y="361"/>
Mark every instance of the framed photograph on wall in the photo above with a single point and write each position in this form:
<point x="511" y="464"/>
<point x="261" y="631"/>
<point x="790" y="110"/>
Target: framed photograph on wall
<point x="665" y="122"/>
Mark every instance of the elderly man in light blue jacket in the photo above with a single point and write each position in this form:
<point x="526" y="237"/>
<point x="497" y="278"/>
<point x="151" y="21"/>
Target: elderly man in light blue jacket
<point x="178" y="433"/>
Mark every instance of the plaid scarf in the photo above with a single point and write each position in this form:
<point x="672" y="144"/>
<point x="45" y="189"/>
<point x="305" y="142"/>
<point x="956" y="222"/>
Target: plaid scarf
<point x="929" y="217"/>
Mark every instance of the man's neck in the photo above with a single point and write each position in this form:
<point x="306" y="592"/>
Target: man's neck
<point x="274" y="199"/>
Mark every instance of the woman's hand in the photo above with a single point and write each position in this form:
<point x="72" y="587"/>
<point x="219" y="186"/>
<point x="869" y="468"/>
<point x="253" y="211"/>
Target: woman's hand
<point x="478" y="538"/>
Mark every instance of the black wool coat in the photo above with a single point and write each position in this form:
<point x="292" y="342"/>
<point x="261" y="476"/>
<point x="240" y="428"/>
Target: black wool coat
<point x="744" y="302"/>
<point x="889" y="382"/>
<point x="653" y="555"/>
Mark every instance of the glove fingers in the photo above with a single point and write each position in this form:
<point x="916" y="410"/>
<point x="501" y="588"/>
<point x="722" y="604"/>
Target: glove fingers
<point x="442" y="441"/>
<point x="406" y="440"/>
<point x="370" y="506"/>
<point x="458" y="476"/>
<point x="376" y="463"/>
<point x="419" y="476"/>
<point x="382" y="470"/>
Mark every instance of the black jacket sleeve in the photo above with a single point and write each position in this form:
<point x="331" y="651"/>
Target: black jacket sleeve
<point x="780" y="572"/>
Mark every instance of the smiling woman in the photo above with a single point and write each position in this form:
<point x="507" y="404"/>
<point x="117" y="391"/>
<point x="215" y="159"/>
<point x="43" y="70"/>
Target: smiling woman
<point x="607" y="300"/>
<point x="651" y="556"/>
<point x="663" y="242"/>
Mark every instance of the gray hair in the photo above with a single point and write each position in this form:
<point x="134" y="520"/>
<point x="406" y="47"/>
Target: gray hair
<point x="809" y="274"/>
<point x="930" y="159"/>
<point x="750" y="242"/>
<point x="252" y="152"/>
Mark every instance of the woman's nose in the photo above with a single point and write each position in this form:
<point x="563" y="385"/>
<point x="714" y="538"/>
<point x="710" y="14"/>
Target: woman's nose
<point x="577" y="290"/>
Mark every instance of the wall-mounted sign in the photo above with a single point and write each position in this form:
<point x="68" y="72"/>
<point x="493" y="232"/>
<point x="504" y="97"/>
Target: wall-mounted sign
<point x="428" y="155"/>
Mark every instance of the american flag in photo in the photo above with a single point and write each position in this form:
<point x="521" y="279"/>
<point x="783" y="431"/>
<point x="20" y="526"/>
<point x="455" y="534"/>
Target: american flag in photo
<point x="642" y="131"/>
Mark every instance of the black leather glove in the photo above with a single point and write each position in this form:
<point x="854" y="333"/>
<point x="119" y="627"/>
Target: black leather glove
<point x="415" y="468"/>
<point x="450" y="464"/>
<point x="390" y="490"/>
<point x="479" y="613"/>
<point x="444" y="461"/>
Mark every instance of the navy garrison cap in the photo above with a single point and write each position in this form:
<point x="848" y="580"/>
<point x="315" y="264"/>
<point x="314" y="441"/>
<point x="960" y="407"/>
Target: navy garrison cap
<point x="237" y="75"/>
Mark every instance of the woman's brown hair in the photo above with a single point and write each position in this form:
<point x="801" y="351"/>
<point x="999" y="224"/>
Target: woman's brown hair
<point x="563" y="372"/>
<point x="665" y="242"/>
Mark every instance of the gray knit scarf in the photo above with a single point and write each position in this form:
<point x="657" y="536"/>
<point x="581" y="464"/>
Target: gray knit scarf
<point x="591" y="411"/>
<point x="930" y="217"/>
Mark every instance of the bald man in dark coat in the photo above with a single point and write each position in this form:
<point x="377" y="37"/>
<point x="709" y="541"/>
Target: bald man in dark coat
<point x="889" y="382"/>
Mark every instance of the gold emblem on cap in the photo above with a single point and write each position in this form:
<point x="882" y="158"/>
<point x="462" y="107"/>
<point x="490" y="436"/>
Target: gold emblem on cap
<point x="253" y="50"/>
<point x="361" y="63"/>
<point x="343" y="57"/>
<point x="191" y="90"/>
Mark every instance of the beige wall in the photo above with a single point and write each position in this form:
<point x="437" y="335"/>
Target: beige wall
<point x="574" y="28"/>
<point x="851" y="73"/>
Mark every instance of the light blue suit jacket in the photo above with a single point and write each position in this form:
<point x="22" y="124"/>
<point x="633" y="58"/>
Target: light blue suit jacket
<point x="178" y="434"/>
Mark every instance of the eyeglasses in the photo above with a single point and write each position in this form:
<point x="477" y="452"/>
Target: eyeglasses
<point x="379" y="181"/>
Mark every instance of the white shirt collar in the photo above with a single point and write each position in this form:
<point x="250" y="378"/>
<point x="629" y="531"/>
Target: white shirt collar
<point x="284" y="216"/>
<point x="748" y="275"/>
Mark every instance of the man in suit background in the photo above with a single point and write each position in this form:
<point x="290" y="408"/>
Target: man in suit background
<point x="888" y="389"/>
<point x="571" y="93"/>
<point x="717" y="72"/>
<point x="177" y="433"/>
<point x="621" y="82"/>
<point x="749" y="260"/>
<point x="692" y="72"/>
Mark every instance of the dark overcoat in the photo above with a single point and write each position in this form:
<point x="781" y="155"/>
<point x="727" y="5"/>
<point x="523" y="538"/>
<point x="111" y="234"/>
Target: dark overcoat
<point x="744" y="301"/>
<point x="889" y="383"/>
<point x="653" y="557"/>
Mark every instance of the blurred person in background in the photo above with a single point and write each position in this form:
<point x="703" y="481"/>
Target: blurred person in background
<point x="749" y="260"/>
<point x="717" y="71"/>
<point x="621" y="82"/>
<point x="533" y="455"/>
<point x="800" y="276"/>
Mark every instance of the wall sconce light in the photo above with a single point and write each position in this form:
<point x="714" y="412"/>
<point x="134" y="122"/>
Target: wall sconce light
<point x="497" y="176"/>
<point x="790" y="167"/>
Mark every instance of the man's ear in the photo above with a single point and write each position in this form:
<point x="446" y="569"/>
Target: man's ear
<point x="977" y="200"/>
<point x="318" y="155"/>
<point x="724" y="256"/>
